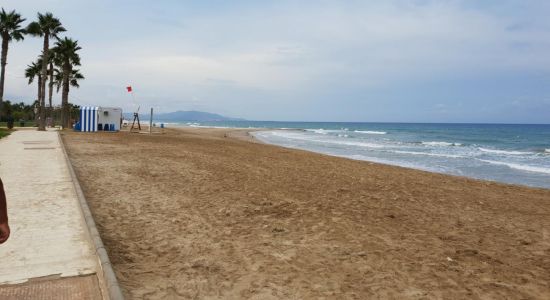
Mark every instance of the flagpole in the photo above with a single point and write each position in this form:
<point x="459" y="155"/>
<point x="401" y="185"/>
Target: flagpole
<point x="133" y="96"/>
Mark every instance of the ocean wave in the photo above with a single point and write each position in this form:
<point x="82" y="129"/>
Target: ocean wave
<point x="359" y="144"/>
<point x="403" y="164"/>
<point x="309" y="138"/>
<point x="427" y="154"/>
<point x="503" y="151"/>
<point x="518" y="166"/>
<point x="440" y="144"/>
<point x="370" y="132"/>
<point x="547" y="150"/>
<point x="327" y="131"/>
<point x="322" y="131"/>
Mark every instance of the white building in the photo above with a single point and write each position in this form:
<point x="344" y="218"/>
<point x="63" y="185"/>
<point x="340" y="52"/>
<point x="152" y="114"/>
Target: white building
<point x="93" y="118"/>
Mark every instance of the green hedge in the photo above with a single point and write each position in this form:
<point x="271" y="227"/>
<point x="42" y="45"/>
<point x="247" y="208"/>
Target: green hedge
<point x="17" y="124"/>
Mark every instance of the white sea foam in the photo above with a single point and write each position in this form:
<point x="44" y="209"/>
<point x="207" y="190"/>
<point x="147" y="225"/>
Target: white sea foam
<point x="503" y="151"/>
<point x="323" y="131"/>
<point x="371" y="132"/>
<point x="327" y="131"/>
<point x="428" y="154"/>
<point x="320" y="131"/>
<point x="519" y="167"/>
<point x="395" y="163"/>
<point x="358" y="144"/>
<point x="297" y="136"/>
<point x="547" y="150"/>
<point x="440" y="144"/>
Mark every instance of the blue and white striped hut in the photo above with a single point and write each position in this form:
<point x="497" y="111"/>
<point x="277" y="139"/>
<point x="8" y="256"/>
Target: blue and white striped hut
<point x="88" y="118"/>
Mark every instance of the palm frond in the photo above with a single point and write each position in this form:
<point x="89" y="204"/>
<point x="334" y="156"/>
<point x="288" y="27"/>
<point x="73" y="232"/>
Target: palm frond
<point x="74" y="77"/>
<point x="10" y="25"/>
<point x="66" y="51"/>
<point x="34" y="29"/>
<point x="47" y="24"/>
<point x="33" y="70"/>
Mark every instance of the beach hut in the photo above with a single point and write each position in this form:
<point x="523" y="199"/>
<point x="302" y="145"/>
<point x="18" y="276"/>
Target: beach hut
<point x="94" y="118"/>
<point x="88" y="118"/>
<point x="109" y="118"/>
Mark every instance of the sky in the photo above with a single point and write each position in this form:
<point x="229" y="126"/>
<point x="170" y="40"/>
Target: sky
<point x="363" y="61"/>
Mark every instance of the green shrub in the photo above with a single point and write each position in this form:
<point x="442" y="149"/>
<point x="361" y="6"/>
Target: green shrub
<point x="4" y="132"/>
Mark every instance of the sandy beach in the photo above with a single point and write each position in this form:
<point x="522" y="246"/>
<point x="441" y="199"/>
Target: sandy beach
<point x="199" y="213"/>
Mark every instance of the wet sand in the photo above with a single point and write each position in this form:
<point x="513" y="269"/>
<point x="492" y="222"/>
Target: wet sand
<point x="198" y="213"/>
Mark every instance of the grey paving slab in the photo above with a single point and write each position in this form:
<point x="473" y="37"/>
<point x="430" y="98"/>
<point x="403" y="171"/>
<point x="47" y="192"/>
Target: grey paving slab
<point x="48" y="233"/>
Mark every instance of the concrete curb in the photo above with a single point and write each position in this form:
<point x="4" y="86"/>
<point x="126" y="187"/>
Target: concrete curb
<point x="113" y="288"/>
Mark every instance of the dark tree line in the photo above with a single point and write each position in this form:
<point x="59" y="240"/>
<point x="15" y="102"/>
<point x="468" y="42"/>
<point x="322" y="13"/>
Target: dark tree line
<point x="23" y="114"/>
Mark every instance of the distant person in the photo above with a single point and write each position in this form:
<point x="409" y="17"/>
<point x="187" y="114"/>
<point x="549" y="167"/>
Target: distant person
<point x="4" y="227"/>
<point x="10" y="121"/>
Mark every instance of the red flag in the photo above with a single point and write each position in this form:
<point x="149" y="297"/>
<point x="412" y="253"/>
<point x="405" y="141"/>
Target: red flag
<point x="129" y="88"/>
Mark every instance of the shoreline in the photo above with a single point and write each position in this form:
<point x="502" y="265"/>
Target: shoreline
<point x="245" y="134"/>
<point x="191" y="213"/>
<point x="494" y="169"/>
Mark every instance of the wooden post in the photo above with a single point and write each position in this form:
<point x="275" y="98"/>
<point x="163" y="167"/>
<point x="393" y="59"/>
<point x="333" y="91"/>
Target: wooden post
<point x="151" y="121"/>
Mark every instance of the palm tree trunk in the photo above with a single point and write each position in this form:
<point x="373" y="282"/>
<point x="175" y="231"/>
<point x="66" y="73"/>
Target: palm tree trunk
<point x="38" y="98"/>
<point x="3" y="72"/>
<point x="45" y="55"/>
<point x="39" y="85"/>
<point x="65" y="95"/>
<point x="50" y="91"/>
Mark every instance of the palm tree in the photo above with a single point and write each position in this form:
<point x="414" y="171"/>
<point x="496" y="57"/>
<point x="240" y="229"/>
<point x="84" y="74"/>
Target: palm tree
<point x="66" y="53"/>
<point x="10" y="29"/>
<point x="47" y="27"/>
<point x="34" y="71"/>
<point x="74" y="78"/>
<point x="51" y="72"/>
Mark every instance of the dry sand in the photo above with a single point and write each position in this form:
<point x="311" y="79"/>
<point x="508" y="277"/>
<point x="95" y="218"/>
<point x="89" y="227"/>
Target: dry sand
<point x="193" y="214"/>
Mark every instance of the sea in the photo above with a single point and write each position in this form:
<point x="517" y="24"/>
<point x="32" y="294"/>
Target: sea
<point x="508" y="153"/>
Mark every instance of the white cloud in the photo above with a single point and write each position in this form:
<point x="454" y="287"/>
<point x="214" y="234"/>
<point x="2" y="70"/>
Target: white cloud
<point x="178" y="53"/>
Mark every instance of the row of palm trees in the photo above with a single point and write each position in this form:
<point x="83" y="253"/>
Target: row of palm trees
<point x="54" y="66"/>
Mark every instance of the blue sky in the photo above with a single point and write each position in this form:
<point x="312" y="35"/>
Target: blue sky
<point x="397" y="61"/>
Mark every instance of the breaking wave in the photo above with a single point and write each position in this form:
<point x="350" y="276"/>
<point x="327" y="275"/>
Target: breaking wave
<point x="428" y="154"/>
<point x="518" y="166"/>
<point x="440" y="144"/>
<point x="370" y="132"/>
<point x="503" y="151"/>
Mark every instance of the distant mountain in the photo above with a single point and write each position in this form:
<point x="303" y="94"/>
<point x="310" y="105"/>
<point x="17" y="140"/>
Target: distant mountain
<point x="179" y="116"/>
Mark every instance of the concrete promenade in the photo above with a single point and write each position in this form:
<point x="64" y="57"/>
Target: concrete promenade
<point x="50" y="254"/>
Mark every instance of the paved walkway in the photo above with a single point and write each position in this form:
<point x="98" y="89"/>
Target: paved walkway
<point x="49" y="238"/>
